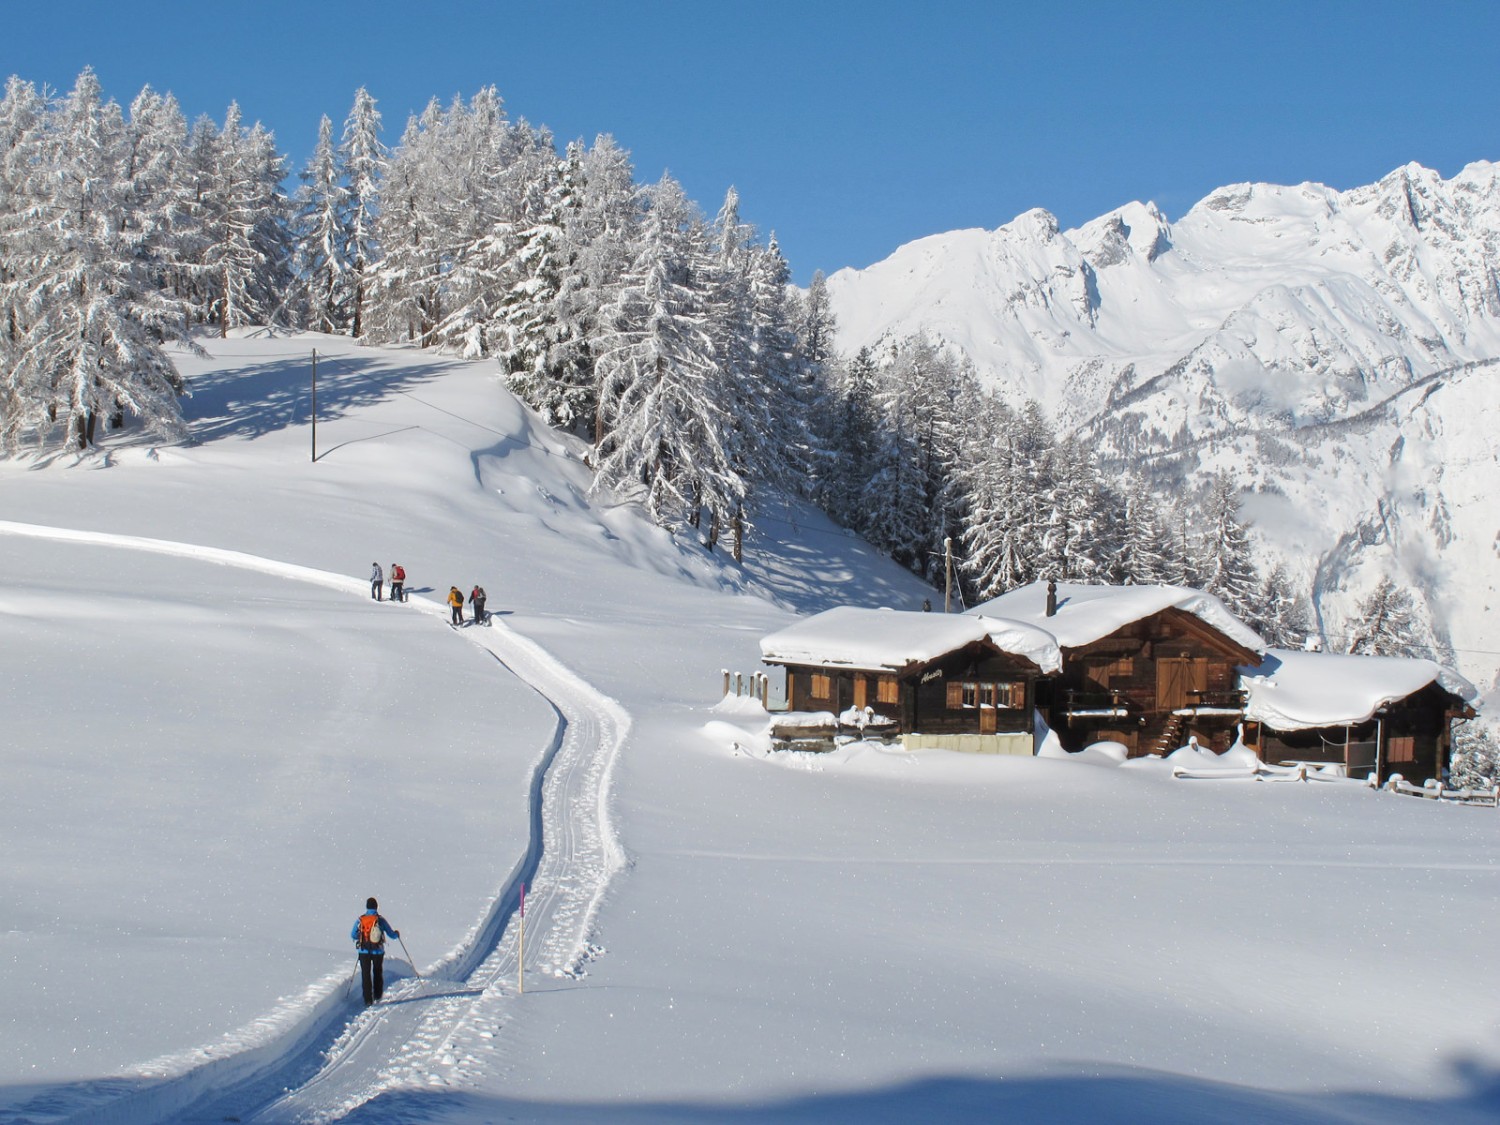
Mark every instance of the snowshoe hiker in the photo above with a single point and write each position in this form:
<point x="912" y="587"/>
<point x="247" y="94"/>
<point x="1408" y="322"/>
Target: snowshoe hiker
<point x="398" y="582"/>
<point x="476" y="599"/>
<point x="369" y="934"/>
<point x="456" y="603"/>
<point x="377" y="581"/>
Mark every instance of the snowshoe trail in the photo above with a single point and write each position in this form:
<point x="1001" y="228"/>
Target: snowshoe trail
<point x="328" y="1055"/>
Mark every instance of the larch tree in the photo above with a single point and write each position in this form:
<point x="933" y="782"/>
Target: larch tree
<point x="363" y="157"/>
<point x="1385" y="623"/>
<point x="323" y="239"/>
<point x="663" y="422"/>
<point x="86" y="277"/>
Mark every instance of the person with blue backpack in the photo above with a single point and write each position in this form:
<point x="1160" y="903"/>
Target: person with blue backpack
<point x="369" y="934"/>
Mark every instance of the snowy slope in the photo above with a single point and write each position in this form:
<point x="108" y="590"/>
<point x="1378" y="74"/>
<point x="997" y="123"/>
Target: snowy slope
<point x="1306" y="339"/>
<point x="203" y="724"/>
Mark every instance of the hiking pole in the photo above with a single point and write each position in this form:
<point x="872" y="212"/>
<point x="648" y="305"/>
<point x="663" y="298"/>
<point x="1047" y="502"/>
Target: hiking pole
<point x="409" y="961"/>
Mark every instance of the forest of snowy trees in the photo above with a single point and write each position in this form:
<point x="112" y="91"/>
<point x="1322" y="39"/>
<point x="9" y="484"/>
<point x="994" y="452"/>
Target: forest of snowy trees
<point x="706" y="385"/>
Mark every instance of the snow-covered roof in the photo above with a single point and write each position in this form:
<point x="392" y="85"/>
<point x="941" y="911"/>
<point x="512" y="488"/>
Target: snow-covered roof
<point x="1304" y="690"/>
<point x="889" y="640"/>
<point x="1086" y="614"/>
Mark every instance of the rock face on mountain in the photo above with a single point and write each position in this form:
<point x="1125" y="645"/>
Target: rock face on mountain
<point x="1336" y="350"/>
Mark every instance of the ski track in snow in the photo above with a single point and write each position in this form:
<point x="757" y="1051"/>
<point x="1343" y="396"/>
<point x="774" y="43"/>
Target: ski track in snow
<point x="319" y="1056"/>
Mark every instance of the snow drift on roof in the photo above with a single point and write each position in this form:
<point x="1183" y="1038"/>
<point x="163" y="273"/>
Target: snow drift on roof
<point x="1305" y="690"/>
<point x="1086" y="614"/>
<point x="888" y="639"/>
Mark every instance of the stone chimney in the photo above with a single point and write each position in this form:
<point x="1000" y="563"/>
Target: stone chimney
<point x="1051" y="597"/>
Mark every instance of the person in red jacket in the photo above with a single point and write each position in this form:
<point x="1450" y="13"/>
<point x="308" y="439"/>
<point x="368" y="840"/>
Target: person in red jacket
<point x="369" y="934"/>
<point x="398" y="582"/>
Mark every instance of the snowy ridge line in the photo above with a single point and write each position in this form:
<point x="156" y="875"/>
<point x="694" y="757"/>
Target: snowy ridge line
<point x="305" y="1040"/>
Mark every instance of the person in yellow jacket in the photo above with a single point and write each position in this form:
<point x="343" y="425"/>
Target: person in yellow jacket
<point x="456" y="601"/>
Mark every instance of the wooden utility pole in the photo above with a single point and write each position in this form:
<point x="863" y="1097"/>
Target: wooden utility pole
<point x="948" y="567"/>
<point x="315" y="405"/>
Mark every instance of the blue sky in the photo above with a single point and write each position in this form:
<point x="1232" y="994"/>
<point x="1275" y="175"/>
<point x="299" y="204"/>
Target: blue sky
<point x="849" y="127"/>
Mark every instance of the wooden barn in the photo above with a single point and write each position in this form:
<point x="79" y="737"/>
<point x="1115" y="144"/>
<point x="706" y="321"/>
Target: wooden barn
<point x="1368" y="714"/>
<point x="1146" y="666"/>
<point x="935" y="680"/>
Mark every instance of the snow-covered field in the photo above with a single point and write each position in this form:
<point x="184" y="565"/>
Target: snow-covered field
<point x="217" y="745"/>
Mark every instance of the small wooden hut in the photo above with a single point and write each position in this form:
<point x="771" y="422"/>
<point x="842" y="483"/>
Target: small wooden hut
<point x="1378" y="715"/>
<point x="944" y="680"/>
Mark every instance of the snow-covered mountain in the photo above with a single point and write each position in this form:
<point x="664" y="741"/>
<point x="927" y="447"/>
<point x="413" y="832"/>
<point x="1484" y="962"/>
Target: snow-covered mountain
<point x="1335" y="349"/>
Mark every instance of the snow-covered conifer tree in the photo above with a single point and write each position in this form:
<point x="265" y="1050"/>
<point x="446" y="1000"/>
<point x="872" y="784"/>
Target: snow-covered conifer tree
<point x="85" y="274"/>
<point x="1475" y="759"/>
<point x="1385" y="624"/>
<point x="248" y="254"/>
<point x="1226" y="562"/>
<point x="661" y="402"/>
<point x="406" y="285"/>
<point x="1279" y="613"/>
<point x="322" y="237"/>
<point x="363" y="158"/>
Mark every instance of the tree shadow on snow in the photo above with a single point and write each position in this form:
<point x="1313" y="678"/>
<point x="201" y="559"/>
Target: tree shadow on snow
<point x="260" y="397"/>
<point x="1097" y="1099"/>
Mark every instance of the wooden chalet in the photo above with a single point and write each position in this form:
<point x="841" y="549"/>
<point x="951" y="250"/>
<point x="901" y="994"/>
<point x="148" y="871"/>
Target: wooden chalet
<point x="1378" y="715"/>
<point x="1146" y="666"/>
<point x="934" y="680"/>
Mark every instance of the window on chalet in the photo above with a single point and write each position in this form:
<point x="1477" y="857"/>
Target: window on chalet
<point x="1006" y="695"/>
<point x="1401" y="750"/>
<point x="887" y="690"/>
<point x="822" y="686"/>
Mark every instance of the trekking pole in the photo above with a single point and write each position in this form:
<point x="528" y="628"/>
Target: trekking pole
<point x="409" y="961"/>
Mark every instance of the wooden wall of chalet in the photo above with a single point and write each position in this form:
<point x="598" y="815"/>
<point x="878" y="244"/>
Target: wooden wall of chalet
<point x="1415" y="733"/>
<point x="919" y="699"/>
<point x="1164" y="663"/>
<point x="974" y="691"/>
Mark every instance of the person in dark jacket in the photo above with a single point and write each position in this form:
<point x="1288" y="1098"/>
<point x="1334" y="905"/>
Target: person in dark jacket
<point x="369" y="934"/>
<point x="477" y="599"/>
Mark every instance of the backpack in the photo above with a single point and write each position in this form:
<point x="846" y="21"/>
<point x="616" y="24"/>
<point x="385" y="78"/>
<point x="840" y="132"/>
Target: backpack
<point x="371" y="936"/>
<point x="398" y="574"/>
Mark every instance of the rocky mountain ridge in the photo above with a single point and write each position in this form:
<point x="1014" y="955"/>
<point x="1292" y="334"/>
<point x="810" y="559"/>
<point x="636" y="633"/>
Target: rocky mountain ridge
<point x="1335" y="350"/>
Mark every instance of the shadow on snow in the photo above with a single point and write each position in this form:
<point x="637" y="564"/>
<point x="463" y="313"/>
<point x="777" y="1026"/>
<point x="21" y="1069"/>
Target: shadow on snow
<point x="1102" y="1098"/>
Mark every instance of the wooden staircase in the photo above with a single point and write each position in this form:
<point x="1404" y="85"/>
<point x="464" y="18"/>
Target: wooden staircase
<point x="1171" y="736"/>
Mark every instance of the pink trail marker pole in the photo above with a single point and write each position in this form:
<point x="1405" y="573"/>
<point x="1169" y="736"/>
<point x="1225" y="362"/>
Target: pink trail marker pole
<point x="521" y="947"/>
